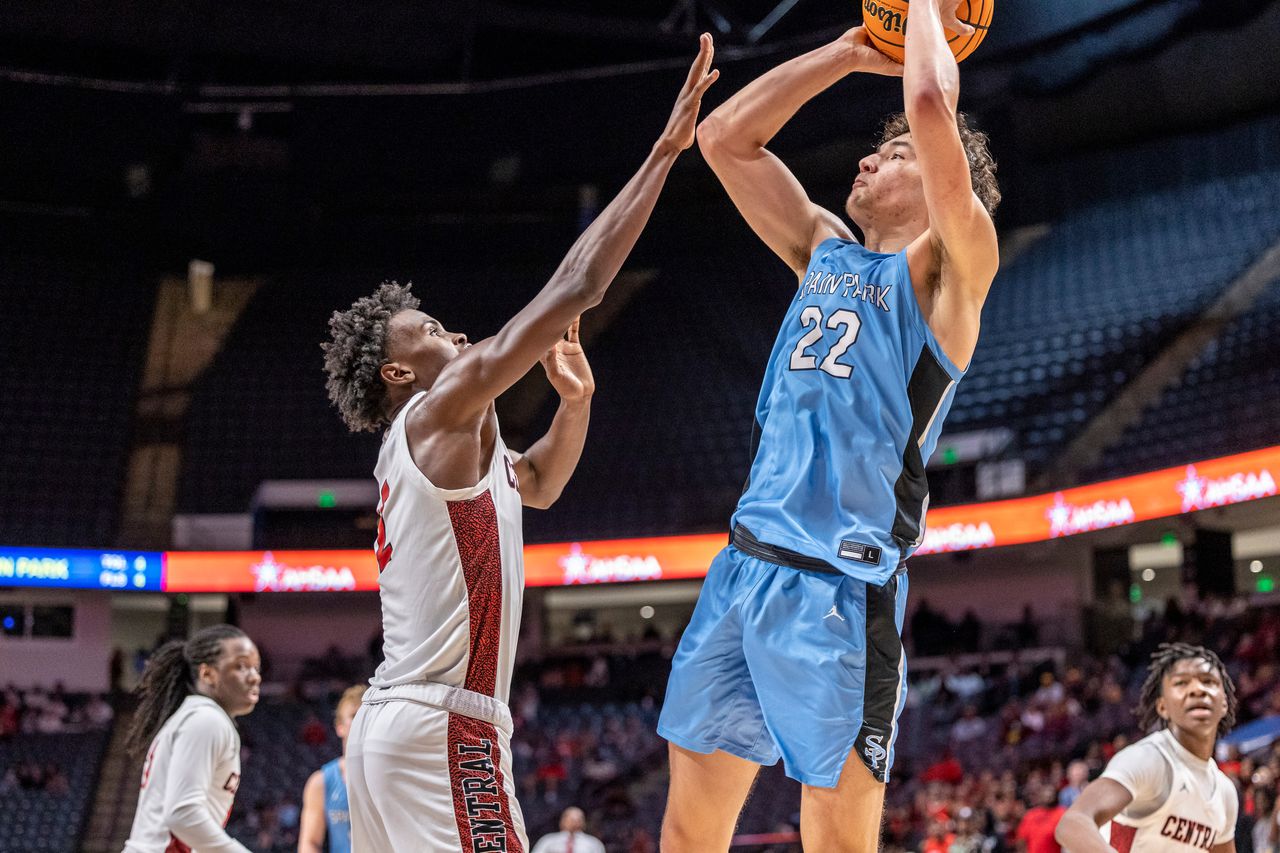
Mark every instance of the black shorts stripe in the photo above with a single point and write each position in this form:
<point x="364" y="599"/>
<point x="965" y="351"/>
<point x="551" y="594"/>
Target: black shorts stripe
<point x="883" y="678"/>
<point x="929" y="381"/>
<point x="746" y="542"/>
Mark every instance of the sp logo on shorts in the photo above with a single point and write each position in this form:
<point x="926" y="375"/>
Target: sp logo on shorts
<point x="875" y="752"/>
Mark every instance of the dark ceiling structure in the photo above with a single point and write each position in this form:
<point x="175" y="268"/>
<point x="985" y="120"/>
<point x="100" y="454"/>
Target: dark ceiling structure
<point x="249" y="124"/>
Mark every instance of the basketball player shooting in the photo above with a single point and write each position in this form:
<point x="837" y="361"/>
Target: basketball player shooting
<point x="428" y="756"/>
<point x="1165" y="792"/>
<point x="794" y="648"/>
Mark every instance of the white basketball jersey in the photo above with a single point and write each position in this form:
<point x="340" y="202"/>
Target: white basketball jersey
<point x="189" y="779"/>
<point x="451" y="571"/>
<point x="1199" y="812"/>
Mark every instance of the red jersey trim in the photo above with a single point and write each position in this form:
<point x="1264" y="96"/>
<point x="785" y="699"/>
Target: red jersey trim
<point x="475" y="532"/>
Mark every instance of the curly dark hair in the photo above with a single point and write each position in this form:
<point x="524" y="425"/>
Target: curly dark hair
<point x="982" y="166"/>
<point x="356" y="351"/>
<point x="1163" y="660"/>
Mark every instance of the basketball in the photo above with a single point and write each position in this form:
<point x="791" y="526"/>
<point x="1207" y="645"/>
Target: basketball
<point x="886" y="23"/>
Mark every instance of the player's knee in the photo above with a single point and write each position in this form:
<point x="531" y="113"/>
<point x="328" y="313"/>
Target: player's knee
<point x="686" y="832"/>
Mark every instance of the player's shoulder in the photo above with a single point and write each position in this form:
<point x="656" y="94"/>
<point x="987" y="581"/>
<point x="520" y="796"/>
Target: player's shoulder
<point x="200" y="714"/>
<point x="1150" y="751"/>
<point x="315" y="783"/>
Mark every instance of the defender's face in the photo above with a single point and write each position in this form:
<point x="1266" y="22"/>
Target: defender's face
<point x="233" y="682"/>
<point x="1193" y="698"/>
<point x="422" y="344"/>
<point x="888" y="185"/>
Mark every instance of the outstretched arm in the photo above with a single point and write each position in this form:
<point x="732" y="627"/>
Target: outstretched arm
<point x="471" y="381"/>
<point x="1078" y="829"/>
<point x="734" y="136"/>
<point x="959" y="226"/>
<point x="545" y="468"/>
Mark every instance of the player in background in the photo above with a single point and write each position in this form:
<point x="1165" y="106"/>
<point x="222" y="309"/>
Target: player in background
<point x="1165" y="792"/>
<point x="428" y="757"/>
<point x="572" y="837"/>
<point x="326" y="819"/>
<point x="794" y="649"/>
<point x="191" y="692"/>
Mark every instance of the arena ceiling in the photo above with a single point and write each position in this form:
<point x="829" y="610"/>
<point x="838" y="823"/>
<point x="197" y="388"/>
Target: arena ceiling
<point x="311" y="41"/>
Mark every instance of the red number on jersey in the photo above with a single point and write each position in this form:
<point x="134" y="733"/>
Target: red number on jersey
<point x="383" y="548"/>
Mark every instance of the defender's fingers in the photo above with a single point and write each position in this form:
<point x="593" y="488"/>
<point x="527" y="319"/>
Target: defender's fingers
<point x="572" y="335"/>
<point x="700" y="65"/>
<point x="707" y="81"/>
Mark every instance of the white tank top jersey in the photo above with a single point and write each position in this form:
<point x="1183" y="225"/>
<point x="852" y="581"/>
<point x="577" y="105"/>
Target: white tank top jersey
<point x="189" y="782"/>
<point x="451" y="572"/>
<point x="1180" y="801"/>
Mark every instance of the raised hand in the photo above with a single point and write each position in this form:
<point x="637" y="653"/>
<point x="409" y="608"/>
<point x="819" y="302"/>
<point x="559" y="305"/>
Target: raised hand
<point x="567" y="367"/>
<point x="684" y="116"/>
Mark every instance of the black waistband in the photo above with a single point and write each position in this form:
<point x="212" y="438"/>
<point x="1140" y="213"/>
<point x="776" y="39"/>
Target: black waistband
<point x="744" y="541"/>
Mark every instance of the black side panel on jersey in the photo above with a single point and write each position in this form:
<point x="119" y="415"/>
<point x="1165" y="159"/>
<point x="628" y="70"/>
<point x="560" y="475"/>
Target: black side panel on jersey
<point x="929" y="381"/>
<point x="755" y="448"/>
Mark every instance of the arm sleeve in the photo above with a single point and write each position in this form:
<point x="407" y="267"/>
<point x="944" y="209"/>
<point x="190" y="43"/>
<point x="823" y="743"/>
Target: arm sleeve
<point x="1145" y="773"/>
<point x="195" y="753"/>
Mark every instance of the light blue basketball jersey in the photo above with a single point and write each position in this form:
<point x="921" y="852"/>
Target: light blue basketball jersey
<point x="850" y="410"/>
<point x="337" y="815"/>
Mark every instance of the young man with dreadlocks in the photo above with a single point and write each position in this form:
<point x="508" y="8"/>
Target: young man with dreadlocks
<point x="1165" y="792"/>
<point x="191" y="692"/>
<point x="428" y="756"/>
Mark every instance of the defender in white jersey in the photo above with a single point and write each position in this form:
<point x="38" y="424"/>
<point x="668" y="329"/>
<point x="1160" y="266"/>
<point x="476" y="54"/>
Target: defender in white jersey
<point x="428" y="756"/>
<point x="1165" y="793"/>
<point x="191" y="691"/>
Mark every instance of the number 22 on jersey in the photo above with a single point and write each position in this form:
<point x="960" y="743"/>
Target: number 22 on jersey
<point x="848" y="323"/>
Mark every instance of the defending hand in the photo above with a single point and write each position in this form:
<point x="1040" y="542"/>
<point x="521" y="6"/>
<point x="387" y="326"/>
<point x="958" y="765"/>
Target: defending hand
<point x="567" y="367"/>
<point x="684" y="116"/>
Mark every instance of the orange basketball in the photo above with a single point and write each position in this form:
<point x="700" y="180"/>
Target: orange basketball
<point x="886" y="23"/>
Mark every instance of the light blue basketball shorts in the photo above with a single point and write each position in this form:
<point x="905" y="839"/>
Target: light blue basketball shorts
<point x="791" y="663"/>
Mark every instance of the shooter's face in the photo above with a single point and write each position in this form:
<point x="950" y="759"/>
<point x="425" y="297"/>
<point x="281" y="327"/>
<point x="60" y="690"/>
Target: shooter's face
<point x="888" y="187"/>
<point x="420" y="346"/>
<point x="1193" y="697"/>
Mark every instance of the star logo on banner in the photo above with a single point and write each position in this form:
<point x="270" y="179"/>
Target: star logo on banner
<point x="1192" y="490"/>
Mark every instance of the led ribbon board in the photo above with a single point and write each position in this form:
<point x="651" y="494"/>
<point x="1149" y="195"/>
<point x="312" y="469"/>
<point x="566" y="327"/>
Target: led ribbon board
<point x="79" y="569"/>
<point x="1114" y="503"/>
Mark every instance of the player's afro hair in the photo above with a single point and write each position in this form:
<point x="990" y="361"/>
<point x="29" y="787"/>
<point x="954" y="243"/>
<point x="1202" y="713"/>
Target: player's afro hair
<point x="1162" y="660"/>
<point x="356" y="351"/>
<point x="982" y="166"/>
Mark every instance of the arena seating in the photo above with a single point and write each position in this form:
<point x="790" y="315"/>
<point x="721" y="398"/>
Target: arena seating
<point x="1190" y="421"/>
<point x="41" y="821"/>
<point x="1073" y="319"/>
<point x="73" y="335"/>
<point x="1067" y="325"/>
<point x="51" y="745"/>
